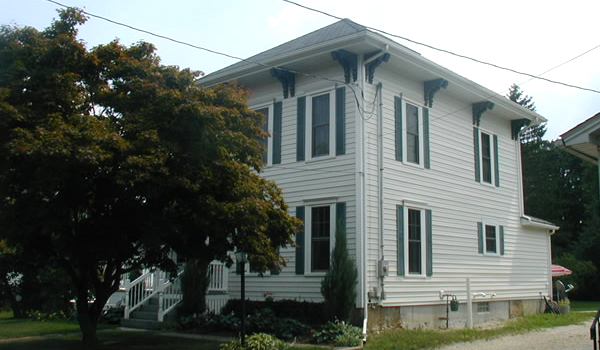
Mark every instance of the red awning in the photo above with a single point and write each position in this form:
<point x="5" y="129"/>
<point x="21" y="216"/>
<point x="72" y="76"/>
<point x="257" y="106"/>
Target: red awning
<point x="558" y="270"/>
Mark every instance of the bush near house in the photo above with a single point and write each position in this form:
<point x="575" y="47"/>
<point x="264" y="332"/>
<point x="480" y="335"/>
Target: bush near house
<point x="311" y="313"/>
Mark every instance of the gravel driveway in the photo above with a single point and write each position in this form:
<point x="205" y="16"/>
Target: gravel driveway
<point x="575" y="337"/>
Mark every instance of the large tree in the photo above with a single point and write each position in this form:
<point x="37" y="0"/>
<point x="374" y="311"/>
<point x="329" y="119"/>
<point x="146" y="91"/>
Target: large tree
<point x="110" y="160"/>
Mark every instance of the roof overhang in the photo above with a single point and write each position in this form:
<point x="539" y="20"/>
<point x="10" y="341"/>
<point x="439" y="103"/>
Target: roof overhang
<point x="583" y="140"/>
<point x="403" y="59"/>
<point x="529" y="221"/>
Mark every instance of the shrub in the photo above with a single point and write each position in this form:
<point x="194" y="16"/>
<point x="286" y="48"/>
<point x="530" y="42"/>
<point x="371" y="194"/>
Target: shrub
<point x="306" y="312"/>
<point x="258" y="341"/>
<point x="339" y="333"/>
<point x="339" y="284"/>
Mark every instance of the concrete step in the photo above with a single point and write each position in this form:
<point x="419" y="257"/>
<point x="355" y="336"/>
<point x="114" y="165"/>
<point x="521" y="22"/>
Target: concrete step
<point x="144" y="315"/>
<point x="149" y="308"/>
<point x="142" y="324"/>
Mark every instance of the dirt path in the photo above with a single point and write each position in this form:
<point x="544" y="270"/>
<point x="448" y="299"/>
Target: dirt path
<point x="574" y="337"/>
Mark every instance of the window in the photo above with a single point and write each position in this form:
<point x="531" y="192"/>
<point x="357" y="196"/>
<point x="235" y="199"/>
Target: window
<point x="412" y="133"/>
<point x="316" y="238"/>
<point x="320" y="238"/>
<point x="490" y="238"/>
<point x="483" y="307"/>
<point x="272" y="124"/>
<point x="321" y="125"/>
<point x="265" y="142"/>
<point x="486" y="157"/>
<point x="414" y="241"/>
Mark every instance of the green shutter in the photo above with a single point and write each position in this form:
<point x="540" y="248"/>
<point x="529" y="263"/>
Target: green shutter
<point x="340" y="215"/>
<point x="501" y="238"/>
<point x="398" y="125"/>
<point x="426" y="151"/>
<point x="300" y="128"/>
<point x="476" y="149"/>
<point x="300" y="243"/>
<point x="496" y="162"/>
<point x="340" y="120"/>
<point x="429" y="238"/>
<point x="400" y="240"/>
<point x="277" y="128"/>
<point x="480" y="236"/>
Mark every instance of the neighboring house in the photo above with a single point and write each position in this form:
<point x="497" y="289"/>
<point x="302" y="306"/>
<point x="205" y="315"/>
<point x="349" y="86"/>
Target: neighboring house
<point x="420" y="164"/>
<point x="583" y="140"/>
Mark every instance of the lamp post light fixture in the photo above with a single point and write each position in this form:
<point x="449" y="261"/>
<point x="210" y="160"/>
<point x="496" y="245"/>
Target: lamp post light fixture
<point x="242" y="258"/>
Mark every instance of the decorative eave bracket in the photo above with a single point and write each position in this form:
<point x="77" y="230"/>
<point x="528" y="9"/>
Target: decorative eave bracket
<point x="349" y="61"/>
<point x="287" y="79"/>
<point x="517" y="125"/>
<point x="372" y="65"/>
<point x="431" y="87"/>
<point x="479" y="108"/>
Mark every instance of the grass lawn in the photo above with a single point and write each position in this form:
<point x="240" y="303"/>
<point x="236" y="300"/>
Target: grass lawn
<point x="577" y="305"/>
<point x="428" y="339"/>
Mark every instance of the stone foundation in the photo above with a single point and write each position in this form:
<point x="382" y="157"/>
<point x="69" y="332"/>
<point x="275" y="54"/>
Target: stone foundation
<point x="433" y="316"/>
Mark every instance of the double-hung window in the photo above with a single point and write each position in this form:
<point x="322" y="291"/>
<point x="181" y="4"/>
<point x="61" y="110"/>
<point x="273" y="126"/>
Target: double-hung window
<point x="490" y="238"/>
<point x="321" y="125"/>
<point x="412" y="133"/>
<point x="414" y="227"/>
<point x="272" y="124"/>
<point x="316" y="240"/>
<point x="486" y="158"/>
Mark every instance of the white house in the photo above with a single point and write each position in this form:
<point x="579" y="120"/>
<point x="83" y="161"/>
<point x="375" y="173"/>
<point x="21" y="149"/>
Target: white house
<point x="423" y="164"/>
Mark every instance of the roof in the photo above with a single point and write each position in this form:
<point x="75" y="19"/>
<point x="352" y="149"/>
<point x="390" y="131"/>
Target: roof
<point x="312" y="52"/>
<point x="538" y="223"/>
<point x="333" y="31"/>
<point x="583" y="140"/>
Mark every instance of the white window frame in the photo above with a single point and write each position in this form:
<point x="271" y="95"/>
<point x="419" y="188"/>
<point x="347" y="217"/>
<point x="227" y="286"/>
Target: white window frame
<point x="484" y="233"/>
<point x="308" y="235"/>
<point x="270" y="112"/>
<point x="421" y="163"/>
<point x="492" y="158"/>
<point x="407" y="272"/>
<point x="308" y="121"/>
<point x="483" y="307"/>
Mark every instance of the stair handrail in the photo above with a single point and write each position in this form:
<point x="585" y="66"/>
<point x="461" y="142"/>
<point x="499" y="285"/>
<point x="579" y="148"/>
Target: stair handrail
<point x="141" y="290"/>
<point x="169" y="296"/>
<point x="594" y="330"/>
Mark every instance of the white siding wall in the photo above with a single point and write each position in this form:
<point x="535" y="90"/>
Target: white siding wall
<point x="304" y="180"/>
<point x="458" y="202"/>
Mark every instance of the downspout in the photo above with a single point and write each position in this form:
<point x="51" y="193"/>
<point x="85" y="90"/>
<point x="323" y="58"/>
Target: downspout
<point x="379" y="93"/>
<point x="363" y="204"/>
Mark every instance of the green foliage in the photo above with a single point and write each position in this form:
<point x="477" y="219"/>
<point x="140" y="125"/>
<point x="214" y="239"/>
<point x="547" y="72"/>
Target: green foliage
<point x="339" y="284"/>
<point x="258" y="341"/>
<point x="110" y="160"/>
<point x="194" y="284"/>
<point x="306" y="312"/>
<point x="338" y="332"/>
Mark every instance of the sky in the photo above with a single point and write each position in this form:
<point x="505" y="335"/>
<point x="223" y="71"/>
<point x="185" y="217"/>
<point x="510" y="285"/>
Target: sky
<point x="525" y="35"/>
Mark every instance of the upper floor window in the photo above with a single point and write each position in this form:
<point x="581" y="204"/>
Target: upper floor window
<point x="272" y="124"/>
<point x="321" y="124"/>
<point x="486" y="157"/>
<point x="412" y="133"/>
<point x="490" y="239"/>
<point x="265" y="141"/>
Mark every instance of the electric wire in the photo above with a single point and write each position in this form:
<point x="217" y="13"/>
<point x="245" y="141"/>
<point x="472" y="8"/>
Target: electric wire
<point x="448" y="51"/>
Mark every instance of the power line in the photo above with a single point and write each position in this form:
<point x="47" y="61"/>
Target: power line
<point x="447" y="51"/>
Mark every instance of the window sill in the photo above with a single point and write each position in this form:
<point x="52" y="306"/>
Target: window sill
<point x="318" y="159"/>
<point x="416" y="277"/>
<point x="315" y="274"/>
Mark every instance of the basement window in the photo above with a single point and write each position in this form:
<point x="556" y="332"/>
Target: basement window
<point x="483" y="307"/>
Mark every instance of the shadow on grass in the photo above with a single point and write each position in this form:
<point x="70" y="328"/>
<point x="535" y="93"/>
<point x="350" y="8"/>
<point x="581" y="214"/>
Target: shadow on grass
<point x="113" y="340"/>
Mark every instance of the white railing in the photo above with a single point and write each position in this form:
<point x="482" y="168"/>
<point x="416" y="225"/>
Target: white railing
<point x="219" y="274"/>
<point x="215" y="302"/>
<point x="142" y="289"/>
<point x="169" y="296"/>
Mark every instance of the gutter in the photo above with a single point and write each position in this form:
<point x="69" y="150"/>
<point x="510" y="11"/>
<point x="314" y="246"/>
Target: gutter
<point x="363" y="206"/>
<point x="379" y="93"/>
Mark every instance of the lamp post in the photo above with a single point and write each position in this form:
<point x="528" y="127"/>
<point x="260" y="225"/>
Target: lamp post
<point x="241" y="259"/>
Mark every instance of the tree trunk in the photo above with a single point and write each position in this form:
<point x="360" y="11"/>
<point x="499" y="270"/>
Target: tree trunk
<point x="88" y="323"/>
